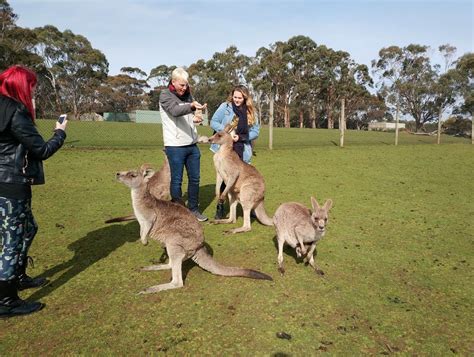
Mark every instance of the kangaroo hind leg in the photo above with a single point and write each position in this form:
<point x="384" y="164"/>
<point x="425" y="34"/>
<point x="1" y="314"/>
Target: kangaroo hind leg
<point x="176" y="255"/>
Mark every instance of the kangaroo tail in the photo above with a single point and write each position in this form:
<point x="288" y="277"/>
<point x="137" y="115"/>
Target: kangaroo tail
<point x="262" y="215"/>
<point x="130" y="217"/>
<point x="207" y="262"/>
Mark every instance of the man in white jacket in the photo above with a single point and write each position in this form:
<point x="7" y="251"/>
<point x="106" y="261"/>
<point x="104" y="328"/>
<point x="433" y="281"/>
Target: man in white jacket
<point x="180" y="137"/>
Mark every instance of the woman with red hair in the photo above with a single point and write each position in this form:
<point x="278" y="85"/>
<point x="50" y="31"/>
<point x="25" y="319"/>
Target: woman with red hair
<point x="22" y="150"/>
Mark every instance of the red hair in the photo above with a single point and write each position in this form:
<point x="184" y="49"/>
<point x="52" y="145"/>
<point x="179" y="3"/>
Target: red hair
<point x="18" y="83"/>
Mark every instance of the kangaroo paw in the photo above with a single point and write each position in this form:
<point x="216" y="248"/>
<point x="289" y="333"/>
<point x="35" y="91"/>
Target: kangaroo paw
<point x="281" y="270"/>
<point x="301" y="253"/>
<point x="239" y="230"/>
<point x="221" y="221"/>
<point x="319" y="271"/>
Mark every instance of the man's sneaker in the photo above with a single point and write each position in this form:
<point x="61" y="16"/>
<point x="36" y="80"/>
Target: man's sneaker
<point x="199" y="216"/>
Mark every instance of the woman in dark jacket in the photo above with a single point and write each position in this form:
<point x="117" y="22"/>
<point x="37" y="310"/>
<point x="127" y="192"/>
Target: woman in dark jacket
<point x="22" y="150"/>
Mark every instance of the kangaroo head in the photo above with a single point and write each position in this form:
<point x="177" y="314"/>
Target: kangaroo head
<point x="221" y="138"/>
<point x="135" y="178"/>
<point x="320" y="215"/>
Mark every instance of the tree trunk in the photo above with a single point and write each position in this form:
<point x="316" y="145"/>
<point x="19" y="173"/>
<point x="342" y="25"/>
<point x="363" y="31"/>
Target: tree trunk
<point x="313" y="117"/>
<point x="301" y="119"/>
<point x="287" y="116"/>
<point x="329" y="109"/>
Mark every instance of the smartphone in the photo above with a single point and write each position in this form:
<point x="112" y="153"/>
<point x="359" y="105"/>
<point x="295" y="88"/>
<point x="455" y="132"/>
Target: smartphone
<point x="61" y="118"/>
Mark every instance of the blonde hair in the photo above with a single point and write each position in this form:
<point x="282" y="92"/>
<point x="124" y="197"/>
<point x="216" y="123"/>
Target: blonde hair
<point x="247" y="100"/>
<point x="179" y="73"/>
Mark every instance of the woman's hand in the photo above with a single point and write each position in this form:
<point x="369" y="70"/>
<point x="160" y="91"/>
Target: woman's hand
<point x="61" y="126"/>
<point x="196" y="105"/>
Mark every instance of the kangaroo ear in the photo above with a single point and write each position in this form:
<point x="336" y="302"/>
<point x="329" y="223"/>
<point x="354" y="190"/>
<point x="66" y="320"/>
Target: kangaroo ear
<point x="327" y="205"/>
<point x="145" y="167"/>
<point x="314" y="203"/>
<point x="148" y="173"/>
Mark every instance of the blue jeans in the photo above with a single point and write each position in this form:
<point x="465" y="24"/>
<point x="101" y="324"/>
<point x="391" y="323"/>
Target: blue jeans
<point x="179" y="157"/>
<point x="17" y="230"/>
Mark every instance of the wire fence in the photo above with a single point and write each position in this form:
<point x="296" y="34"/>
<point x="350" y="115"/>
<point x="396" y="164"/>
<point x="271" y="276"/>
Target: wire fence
<point x="109" y="134"/>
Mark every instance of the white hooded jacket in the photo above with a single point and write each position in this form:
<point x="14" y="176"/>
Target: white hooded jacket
<point x="177" y="119"/>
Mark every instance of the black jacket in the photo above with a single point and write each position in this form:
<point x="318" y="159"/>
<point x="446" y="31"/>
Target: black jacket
<point x="22" y="148"/>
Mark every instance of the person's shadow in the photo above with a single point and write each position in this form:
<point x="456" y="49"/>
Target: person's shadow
<point x="88" y="250"/>
<point x="207" y="193"/>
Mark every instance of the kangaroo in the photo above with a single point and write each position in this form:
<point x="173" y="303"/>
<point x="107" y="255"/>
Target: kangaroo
<point x="159" y="186"/>
<point x="176" y="228"/>
<point x="244" y="184"/>
<point x="300" y="228"/>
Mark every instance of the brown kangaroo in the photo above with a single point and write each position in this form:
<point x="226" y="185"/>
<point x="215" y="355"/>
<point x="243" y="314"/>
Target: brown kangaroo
<point x="176" y="228"/>
<point x="159" y="186"/>
<point x="244" y="184"/>
<point x="300" y="228"/>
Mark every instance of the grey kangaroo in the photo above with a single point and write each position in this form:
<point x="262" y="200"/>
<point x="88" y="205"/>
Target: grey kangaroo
<point x="176" y="228"/>
<point x="301" y="228"/>
<point x="158" y="184"/>
<point x="244" y="184"/>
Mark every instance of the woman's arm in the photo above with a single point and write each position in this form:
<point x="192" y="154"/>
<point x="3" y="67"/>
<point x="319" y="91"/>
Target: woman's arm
<point x="217" y="121"/>
<point x="26" y="133"/>
<point x="171" y="104"/>
<point x="254" y="130"/>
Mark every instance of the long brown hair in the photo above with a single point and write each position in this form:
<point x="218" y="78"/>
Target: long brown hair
<point x="247" y="100"/>
<point x="18" y="83"/>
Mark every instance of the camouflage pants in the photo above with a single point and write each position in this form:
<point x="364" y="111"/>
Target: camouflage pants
<point x="17" y="229"/>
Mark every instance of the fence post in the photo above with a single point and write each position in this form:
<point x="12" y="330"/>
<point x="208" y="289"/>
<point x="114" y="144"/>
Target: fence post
<point x="342" y="124"/>
<point x="396" y="123"/>
<point x="270" y="123"/>
<point x="439" y="124"/>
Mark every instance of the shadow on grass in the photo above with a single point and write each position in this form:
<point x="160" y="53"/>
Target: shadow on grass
<point x="287" y="250"/>
<point x="206" y="196"/>
<point x="88" y="250"/>
<point x="95" y="246"/>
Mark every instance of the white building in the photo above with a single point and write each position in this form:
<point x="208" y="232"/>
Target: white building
<point x="384" y="126"/>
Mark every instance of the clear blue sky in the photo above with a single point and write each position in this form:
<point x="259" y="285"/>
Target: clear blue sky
<point x="147" y="33"/>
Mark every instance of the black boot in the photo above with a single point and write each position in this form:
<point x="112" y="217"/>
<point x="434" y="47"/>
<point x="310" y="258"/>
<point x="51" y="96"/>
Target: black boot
<point x="11" y="304"/>
<point x="220" y="211"/>
<point x="25" y="281"/>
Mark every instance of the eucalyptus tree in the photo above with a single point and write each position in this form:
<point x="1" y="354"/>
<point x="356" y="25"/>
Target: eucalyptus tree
<point x="160" y="76"/>
<point x="212" y="80"/>
<point x="158" y="79"/>
<point x="73" y="68"/>
<point x="301" y="53"/>
<point x="124" y="92"/>
<point x="260" y="89"/>
<point x="445" y="86"/>
<point x="271" y="67"/>
<point x="49" y="46"/>
<point x="83" y="68"/>
<point x="15" y="42"/>
<point x="408" y="77"/>
<point x="464" y="73"/>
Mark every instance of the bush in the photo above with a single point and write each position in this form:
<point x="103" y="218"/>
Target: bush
<point x="457" y="126"/>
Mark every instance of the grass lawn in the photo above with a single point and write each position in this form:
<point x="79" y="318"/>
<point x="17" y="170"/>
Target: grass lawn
<point x="398" y="254"/>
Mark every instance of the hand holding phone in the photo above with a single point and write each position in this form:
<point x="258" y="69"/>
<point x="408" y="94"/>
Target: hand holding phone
<point x="62" y="118"/>
<point x="61" y="122"/>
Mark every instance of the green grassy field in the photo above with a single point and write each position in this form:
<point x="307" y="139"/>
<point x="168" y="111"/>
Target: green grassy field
<point x="398" y="254"/>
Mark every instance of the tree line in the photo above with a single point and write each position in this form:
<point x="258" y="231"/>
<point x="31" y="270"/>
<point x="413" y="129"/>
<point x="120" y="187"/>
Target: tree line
<point x="304" y="80"/>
